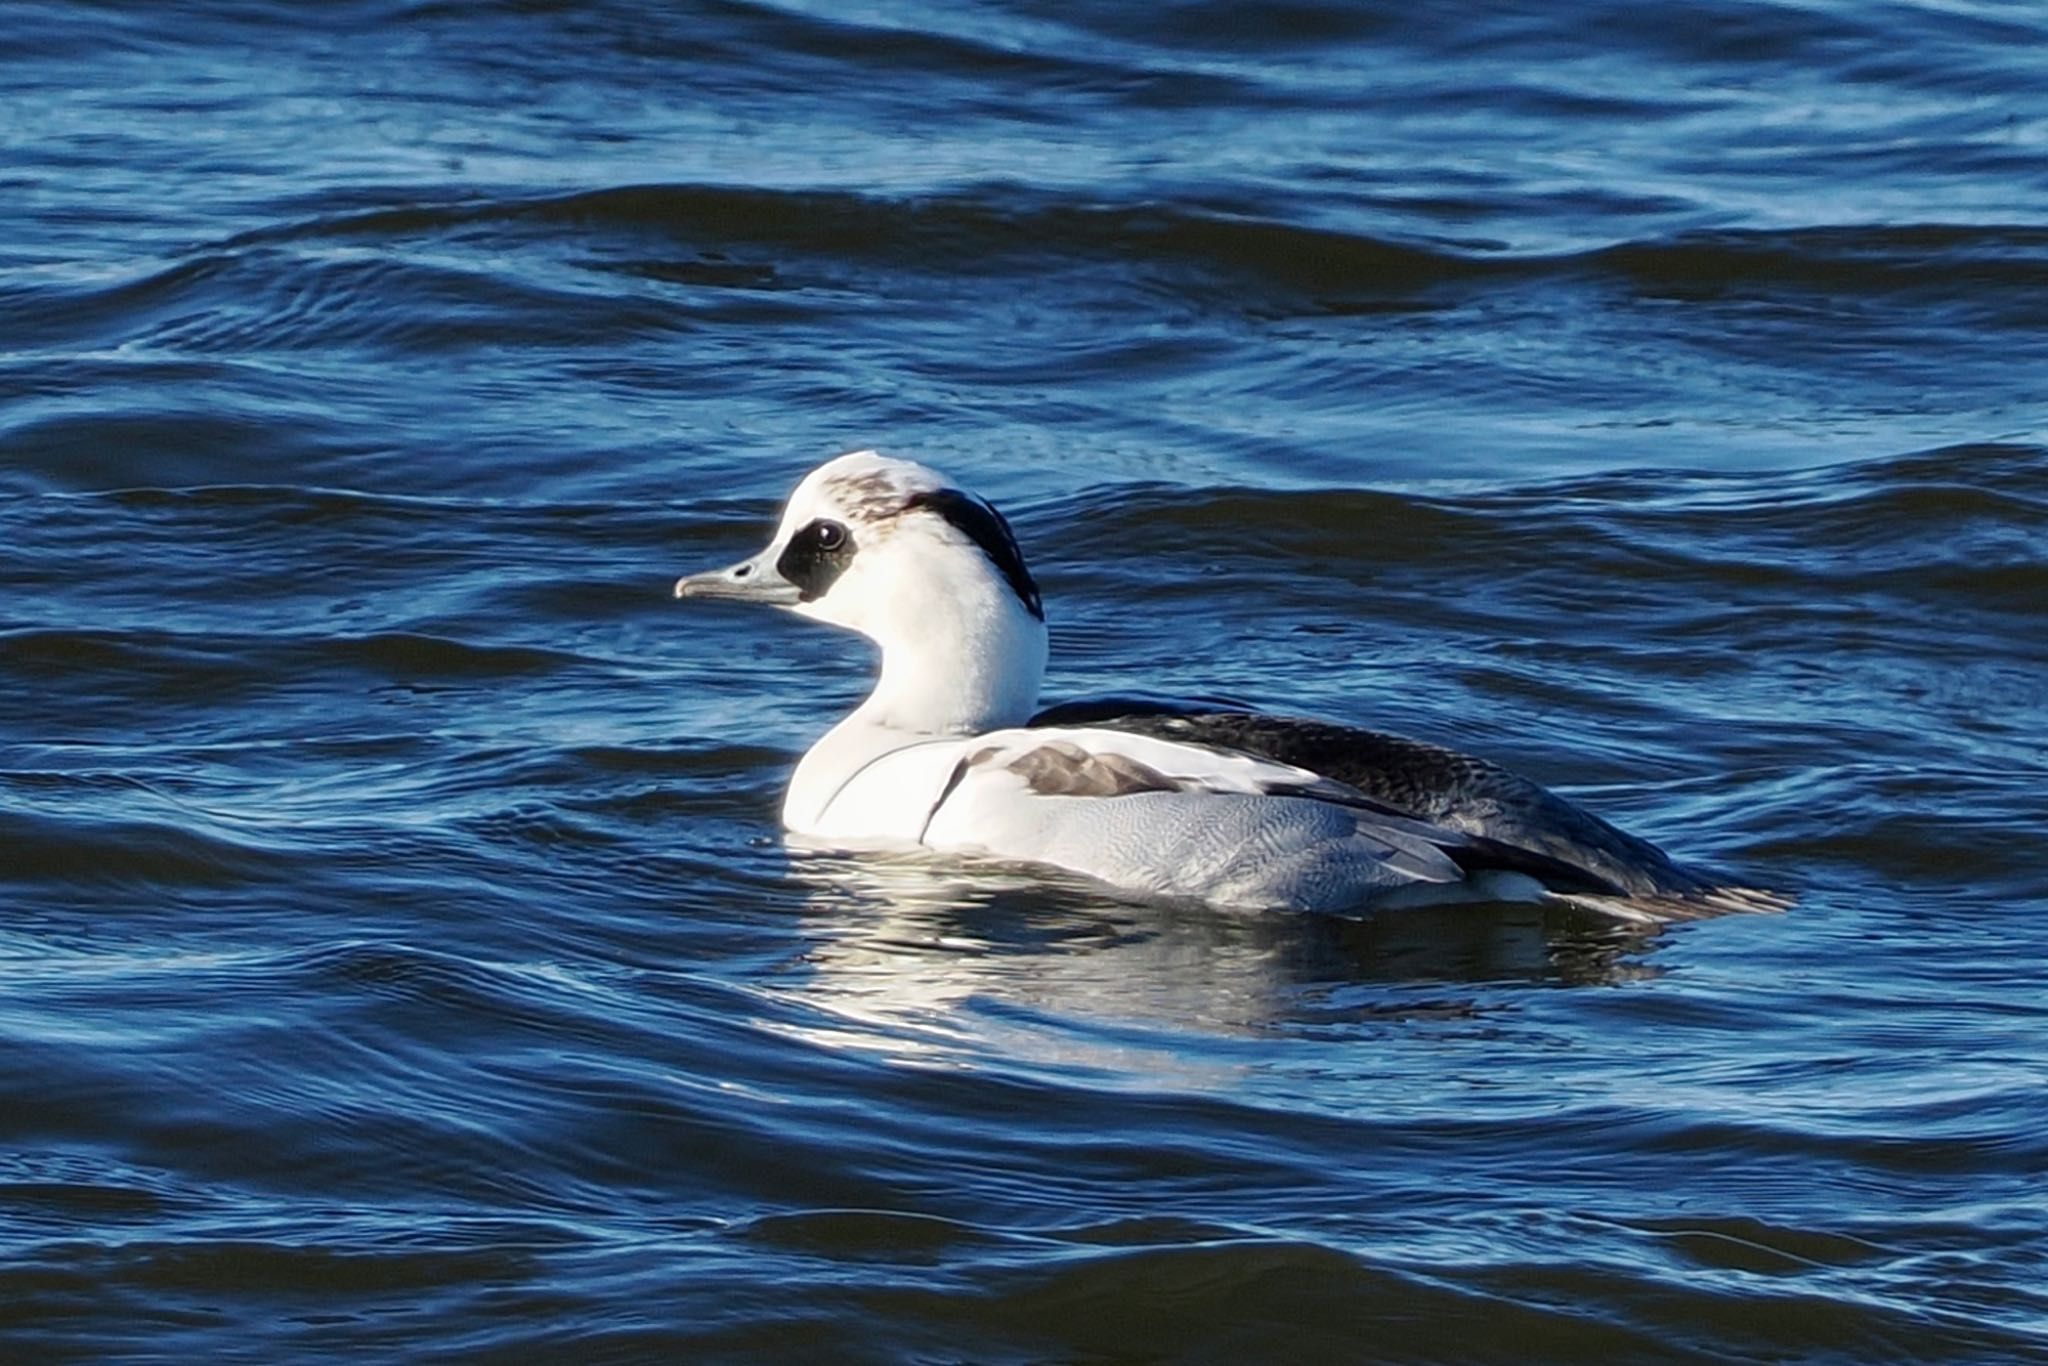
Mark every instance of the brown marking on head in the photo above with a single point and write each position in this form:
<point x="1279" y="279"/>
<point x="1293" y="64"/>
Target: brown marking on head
<point x="873" y="496"/>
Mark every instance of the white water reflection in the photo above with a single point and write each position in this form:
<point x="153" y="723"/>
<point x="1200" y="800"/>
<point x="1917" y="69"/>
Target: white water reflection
<point x="951" y="963"/>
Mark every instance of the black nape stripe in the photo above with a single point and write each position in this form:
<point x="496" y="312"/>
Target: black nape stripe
<point x="815" y="558"/>
<point x="984" y="526"/>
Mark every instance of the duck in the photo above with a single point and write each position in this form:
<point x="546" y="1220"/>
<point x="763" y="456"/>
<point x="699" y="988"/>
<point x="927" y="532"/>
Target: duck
<point x="951" y="754"/>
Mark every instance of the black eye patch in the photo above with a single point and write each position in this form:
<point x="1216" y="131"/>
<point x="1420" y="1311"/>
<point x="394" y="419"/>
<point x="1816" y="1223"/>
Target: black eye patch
<point x="815" y="557"/>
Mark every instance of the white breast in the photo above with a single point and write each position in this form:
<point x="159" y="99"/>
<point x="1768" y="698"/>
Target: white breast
<point x="882" y="799"/>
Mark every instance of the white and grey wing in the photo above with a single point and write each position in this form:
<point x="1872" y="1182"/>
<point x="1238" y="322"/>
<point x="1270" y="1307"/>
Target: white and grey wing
<point x="1178" y="820"/>
<point x="1568" y="848"/>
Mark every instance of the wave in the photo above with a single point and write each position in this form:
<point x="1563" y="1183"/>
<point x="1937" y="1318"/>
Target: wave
<point x="1961" y="510"/>
<point x="986" y="229"/>
<point x="748" y="241"/>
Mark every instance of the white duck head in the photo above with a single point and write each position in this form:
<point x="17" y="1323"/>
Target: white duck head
<point x="929" y="572"/>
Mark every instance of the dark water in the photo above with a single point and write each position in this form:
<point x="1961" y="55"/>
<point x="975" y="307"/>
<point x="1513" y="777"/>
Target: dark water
<point x="400" y="960"/>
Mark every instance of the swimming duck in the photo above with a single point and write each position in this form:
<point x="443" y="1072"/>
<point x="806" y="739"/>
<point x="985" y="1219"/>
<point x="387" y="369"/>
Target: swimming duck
<point x="951" y="753"/>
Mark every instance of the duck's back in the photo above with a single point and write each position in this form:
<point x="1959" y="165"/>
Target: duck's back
<point x="1427" y="781"/>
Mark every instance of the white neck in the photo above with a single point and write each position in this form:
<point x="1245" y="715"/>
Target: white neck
<point x="961" y="664"/>
<point x="932" y="685"/>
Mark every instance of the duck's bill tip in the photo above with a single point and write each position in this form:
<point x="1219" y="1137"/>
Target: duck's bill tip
<point x="747" y="581"/>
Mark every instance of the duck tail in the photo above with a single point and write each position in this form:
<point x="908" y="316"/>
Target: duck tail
<point x="1666" y="908"/>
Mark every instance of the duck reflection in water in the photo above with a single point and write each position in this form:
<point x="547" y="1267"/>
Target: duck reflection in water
<point x="901" y="947"/>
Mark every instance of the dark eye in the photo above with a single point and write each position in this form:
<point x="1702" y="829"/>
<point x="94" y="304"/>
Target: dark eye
<point x="815" y="557"/>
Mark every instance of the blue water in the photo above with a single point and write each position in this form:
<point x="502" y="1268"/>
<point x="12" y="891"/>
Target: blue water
<point x="398" y="958"/>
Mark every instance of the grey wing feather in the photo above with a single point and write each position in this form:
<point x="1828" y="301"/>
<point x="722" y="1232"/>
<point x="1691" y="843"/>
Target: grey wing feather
<point x="1514" y="822"/>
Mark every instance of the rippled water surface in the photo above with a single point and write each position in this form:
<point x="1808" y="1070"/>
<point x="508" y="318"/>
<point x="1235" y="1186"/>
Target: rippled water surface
<point x="398" y="959"/>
